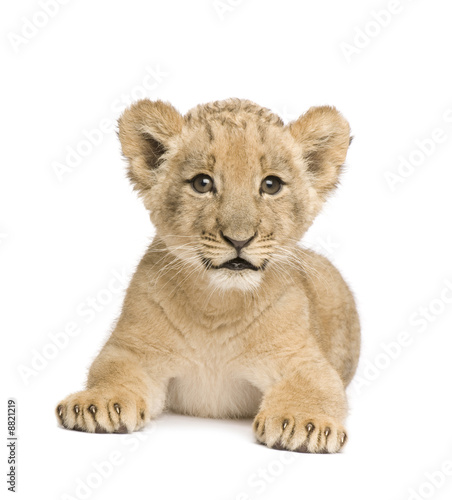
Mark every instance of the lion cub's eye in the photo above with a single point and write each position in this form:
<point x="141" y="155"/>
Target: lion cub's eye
<point x="202" y="183"/>
<point x="271" y="185"/>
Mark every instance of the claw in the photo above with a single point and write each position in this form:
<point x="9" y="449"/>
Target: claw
<point x="284" y="424"/>
<point x="327" y="431"/>
<point x="92" y="409"/>
<point x="343" y="438"/>
<point x="117" y="408"/>
<point x="310" y="427"/>
<point x="60" y="410"/>
<point x="76" y="409"/>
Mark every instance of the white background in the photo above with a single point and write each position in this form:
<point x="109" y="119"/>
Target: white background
<point x="63" y="239"/>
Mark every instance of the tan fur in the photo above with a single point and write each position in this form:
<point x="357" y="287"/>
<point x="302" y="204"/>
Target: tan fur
<point x="279" y="343"/>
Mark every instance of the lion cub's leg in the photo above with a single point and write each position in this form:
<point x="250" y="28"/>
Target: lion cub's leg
<point x="304" y="411"/>
<point x="120" y="396"/>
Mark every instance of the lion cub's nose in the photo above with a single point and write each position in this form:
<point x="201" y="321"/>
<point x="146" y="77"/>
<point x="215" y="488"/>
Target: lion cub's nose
<point x="238" y="245"/>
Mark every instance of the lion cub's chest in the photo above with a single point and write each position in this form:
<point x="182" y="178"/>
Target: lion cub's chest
<point x="210" y="385"/>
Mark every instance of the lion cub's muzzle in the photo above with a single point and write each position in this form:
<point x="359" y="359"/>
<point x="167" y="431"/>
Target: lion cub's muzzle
<point x="238" y="264"/>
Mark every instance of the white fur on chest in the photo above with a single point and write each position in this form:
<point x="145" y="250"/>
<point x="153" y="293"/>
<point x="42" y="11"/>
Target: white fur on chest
<point x="211" y="385"/>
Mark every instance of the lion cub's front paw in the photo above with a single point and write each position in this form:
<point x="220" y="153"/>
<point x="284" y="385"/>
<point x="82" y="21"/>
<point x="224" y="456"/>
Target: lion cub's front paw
<point x="299" y="432"/>
<point x="97" y="410"/>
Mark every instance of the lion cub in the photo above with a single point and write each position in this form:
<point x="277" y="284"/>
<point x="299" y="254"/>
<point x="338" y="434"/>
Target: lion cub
<point x="226" y="316"/>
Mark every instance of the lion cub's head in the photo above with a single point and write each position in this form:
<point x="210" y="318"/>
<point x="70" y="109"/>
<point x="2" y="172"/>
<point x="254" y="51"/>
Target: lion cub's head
<point x="231" y="188"/>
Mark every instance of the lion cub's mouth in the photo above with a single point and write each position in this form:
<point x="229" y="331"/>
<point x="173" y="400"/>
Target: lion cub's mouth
<point x="238" y="264"/>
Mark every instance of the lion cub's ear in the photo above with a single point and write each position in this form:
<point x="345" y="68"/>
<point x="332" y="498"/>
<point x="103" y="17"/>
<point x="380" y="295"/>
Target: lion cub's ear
<point x="145" y="132"/>
<point x="324" y="135"/>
